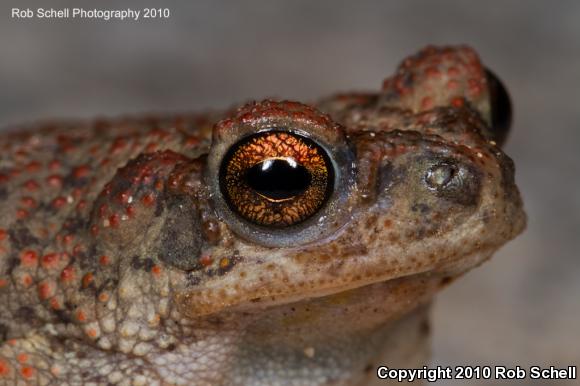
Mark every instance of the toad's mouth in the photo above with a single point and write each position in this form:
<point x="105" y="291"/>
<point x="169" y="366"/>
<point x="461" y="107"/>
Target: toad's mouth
<point x="403" y="285"/>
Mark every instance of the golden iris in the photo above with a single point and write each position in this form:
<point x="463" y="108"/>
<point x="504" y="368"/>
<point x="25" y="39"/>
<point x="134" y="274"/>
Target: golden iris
<point x="276" y="178"/>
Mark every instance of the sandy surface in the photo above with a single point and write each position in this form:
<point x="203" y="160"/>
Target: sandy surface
<point x="523" y="307"/>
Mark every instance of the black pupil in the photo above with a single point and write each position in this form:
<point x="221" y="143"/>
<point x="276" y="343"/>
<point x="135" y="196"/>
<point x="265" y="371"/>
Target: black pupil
<point x="278" y="178"/>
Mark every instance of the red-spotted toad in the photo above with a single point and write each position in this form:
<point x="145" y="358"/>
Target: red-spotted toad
<point x="276" y="244"/>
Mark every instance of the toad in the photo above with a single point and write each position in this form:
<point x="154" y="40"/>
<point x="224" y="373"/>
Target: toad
<point x="278" y="243"/>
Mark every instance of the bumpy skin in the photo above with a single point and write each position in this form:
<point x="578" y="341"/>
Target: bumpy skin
<point x="118" y="264"/>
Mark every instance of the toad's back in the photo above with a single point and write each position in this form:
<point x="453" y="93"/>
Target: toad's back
<point x="50" y="177"/>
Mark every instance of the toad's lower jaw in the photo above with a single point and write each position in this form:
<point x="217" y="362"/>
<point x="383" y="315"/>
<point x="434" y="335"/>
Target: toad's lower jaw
<point x="338" y="339"/>
<point x="254" y="295"/>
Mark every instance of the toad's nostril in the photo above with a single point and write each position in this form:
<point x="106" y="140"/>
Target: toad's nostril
<point x="440" y="175"/>
<point x="501" y="108"/>
<point x="453" y="181"/>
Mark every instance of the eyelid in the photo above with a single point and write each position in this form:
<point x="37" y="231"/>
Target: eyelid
<point x="297" y="119"/>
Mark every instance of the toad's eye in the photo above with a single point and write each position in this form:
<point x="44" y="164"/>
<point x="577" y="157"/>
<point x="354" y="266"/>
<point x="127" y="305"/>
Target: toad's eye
<point x="280" y="174"/>
<point x="501" y="107"/>
<point x="276" y="178"/>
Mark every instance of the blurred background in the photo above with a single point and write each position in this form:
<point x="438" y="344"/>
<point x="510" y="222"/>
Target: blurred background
<point x="521" y="308"/>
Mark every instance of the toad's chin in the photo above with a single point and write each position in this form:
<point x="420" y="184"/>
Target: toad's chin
<point x="337" y="339"/>
<point x="332" y="338"/>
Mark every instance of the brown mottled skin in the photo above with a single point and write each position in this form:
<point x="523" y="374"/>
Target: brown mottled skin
<point x="120" y="263"/>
